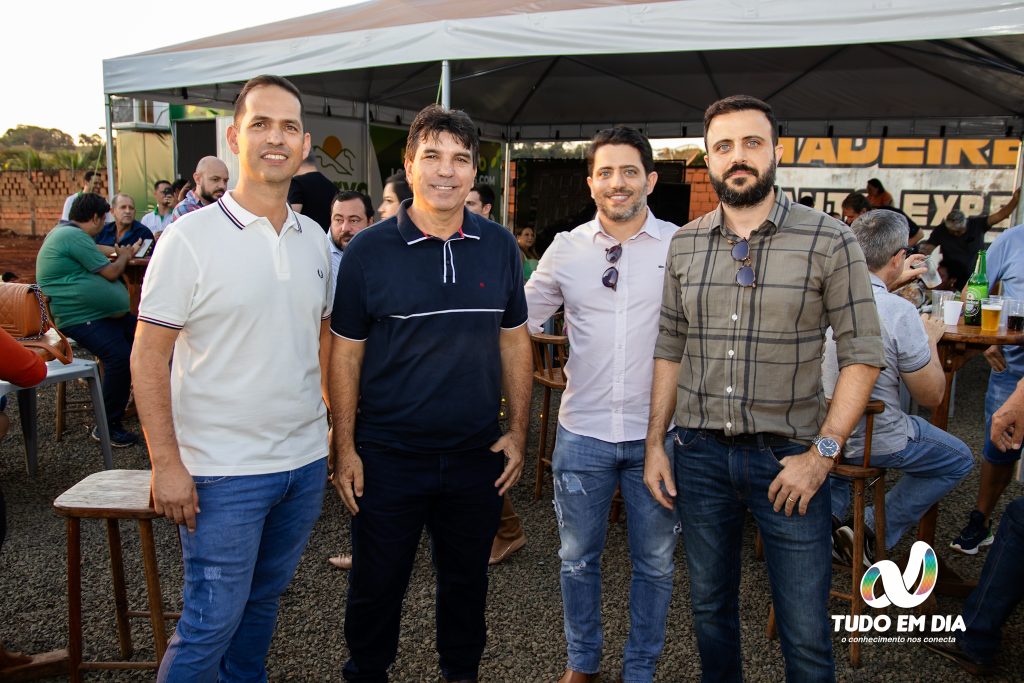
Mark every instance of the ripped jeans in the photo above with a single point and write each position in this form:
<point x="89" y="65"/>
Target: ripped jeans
<point x="250" y="534"/>
<point x="586" y="472"/>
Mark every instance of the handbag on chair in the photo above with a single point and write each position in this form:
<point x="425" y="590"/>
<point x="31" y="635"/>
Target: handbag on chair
<point x="25" y="315"/>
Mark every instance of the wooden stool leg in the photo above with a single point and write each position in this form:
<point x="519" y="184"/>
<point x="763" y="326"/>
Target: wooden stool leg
<point x="771" y="631"/>
<point x="124" y="631"/>
<point x="74" y="600"/>
<point x="156" y="600"/>
<point x="857" y="566"/>
<point x="880" y="552"/>
<point x="62" y="404"/>
<point x="542" y="450"/>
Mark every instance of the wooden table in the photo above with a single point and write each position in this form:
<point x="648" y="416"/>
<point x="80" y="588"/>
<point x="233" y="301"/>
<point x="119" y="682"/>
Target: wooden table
<point x="134" y="273"/>
<point x="959" y="344"/>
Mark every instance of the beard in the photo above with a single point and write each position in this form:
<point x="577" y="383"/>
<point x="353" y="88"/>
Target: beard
<point x="209" y="197"/>
<point x="626" y="212"/>
<point x="751" y="194"/>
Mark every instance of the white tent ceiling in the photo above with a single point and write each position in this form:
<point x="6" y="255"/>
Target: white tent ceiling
<point x="547" y="68"/>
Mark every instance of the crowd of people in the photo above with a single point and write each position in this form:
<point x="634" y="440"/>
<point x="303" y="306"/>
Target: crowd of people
<point x="376" y="350"/>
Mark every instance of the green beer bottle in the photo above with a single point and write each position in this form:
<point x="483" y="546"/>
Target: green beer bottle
<point x="977" y="289"/>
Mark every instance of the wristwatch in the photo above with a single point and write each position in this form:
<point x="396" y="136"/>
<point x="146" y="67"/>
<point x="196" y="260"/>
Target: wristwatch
<point x="827" y="446"/>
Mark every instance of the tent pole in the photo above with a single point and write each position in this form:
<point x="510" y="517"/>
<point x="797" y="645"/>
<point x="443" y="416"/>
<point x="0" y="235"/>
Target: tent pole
<point x="110" y="148"/>
<point x="367" y="148"/>
<point x="1018" y="179"/>
<point x="446" y="84"/>
<point x="506" y="183"/>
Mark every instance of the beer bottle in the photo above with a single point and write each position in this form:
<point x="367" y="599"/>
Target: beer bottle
<point x="977" y="289"/>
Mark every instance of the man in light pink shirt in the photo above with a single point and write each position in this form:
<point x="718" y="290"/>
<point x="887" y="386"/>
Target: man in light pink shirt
<point x="609" y="274"/>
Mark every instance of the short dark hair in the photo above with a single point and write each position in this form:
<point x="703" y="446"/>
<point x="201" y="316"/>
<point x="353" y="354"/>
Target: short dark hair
<point x="348" y="195"/>
<point x="262" y="82"/>
<point x="855" y="201"/>
<point x="400" y="184"/>
<point x="807" y="200"/>
<point x="158" y="183"/>
<point x="881" y="235"/>
<point x="485" y="192"/>
<point x="434" y="120"/>
<point x="87" y="176"/>
<point x="87" y="205"/>
<point x="735" y="103"/>
<point x="621" y="135"/>
<point x="877" y="184"/>
<point x="178" y="184"/>
<point x="8" y="276"/>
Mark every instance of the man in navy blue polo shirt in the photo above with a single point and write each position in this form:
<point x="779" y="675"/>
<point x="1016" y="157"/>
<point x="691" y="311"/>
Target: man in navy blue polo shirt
<point x="429" y="325"/>
<point x="124" y="229"/>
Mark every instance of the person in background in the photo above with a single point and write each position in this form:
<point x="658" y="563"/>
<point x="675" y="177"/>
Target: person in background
<point x="481" y="200"/>
<point x="90" y="303"/>
<point x="181" y="187"/>
<point x="1006" y="267"/>
<point x="931" y="460"/>
<point x="396" y="191"/>
<point x="91" y="182"/>
<point x="961" y="239"/>
<point x="877" y="195"/>
<point x="1001" y="585"/>
<point x="20" y="366"/>
<point x="312" y="194"/>
<point x="856" y="204"/>
<point x="211" y="182"/>
<point x="351" y="213"/>
<point x="8" y="276"/>
<point x="526" y="237"/>
<point x="807" y="200"/>
<point x="124" y="230"/>
<point x="160" y="217"/>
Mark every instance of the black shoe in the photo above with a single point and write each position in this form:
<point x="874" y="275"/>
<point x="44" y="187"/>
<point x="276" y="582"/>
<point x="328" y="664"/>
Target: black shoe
<point x="844" y="545"/>
<point x="119" y="437"/>
<point x="974" y="536"/>
<point x="953" y="653"/>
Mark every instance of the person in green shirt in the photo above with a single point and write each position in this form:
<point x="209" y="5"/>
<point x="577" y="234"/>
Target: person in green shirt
<point x="90" y="303"/>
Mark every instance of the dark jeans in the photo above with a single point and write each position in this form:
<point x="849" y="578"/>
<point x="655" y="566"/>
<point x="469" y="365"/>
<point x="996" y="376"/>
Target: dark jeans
<point x="453" y="495"/>
<point x="720" y="479"/>
<point x="999" y="590"/>
<point x="110" y="340"/>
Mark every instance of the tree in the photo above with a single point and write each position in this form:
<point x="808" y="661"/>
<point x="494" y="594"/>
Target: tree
<point x="37" y="139"/>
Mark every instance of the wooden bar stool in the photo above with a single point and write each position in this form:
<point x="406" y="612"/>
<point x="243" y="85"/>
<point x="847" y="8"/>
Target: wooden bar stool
<point x="860" y="476"/>
<point x="112" y="495"/>
<point x="550" y="353"/>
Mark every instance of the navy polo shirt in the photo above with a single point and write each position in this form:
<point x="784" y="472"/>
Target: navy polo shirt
<point x="137" y="232"/>
<point x="431" y="312"/>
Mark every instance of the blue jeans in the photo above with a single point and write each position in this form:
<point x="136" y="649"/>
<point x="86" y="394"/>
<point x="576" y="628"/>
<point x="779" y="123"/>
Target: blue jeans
<point x="454" y="496"/>
<point x="110" y="340"/>
<point x="586" y="472"/>
<point x="1000" y="386"/>
<point x="718" y="480"/>
<point x="999" y="589"/>
<point x="249" y="537"/>
<point x="932" y="463"/>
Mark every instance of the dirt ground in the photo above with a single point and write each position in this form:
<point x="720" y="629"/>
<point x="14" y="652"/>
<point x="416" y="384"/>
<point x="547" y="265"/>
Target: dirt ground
<point x="18" y="255"/>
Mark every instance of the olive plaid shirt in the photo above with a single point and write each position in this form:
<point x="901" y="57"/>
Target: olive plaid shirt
<point x="750" y="357"/>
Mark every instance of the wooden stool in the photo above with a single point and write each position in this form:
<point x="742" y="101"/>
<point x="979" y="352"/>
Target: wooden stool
<point x="112" y="495"/>
<point x="861" y="476"/>
<point x="548" y="371"/>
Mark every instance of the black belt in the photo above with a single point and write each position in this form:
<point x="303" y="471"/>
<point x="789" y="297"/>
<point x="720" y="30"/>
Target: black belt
<point x="748" y="440"/>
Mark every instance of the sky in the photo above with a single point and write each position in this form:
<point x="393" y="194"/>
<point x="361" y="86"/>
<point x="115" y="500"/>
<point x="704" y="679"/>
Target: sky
<point x="54" y="50"/>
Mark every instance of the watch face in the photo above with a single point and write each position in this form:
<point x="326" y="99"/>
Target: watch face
<point x="828" y="447"/>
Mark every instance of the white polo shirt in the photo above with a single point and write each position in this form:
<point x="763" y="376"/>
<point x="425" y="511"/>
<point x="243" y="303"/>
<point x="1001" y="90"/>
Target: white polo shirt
<point x="245" y="381"/>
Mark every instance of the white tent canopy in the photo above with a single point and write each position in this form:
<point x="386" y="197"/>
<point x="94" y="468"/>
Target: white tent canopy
<point x="548" y="68"/>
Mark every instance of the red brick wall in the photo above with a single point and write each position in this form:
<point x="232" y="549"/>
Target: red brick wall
<point x="31" y="201"/>
<point x="702" y="196"/>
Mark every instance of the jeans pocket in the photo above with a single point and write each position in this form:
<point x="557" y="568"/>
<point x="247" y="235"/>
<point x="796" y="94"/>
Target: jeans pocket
<point x="783" y="449"/>
<point x="209" y="482"/>
<point x="684" y="437"/>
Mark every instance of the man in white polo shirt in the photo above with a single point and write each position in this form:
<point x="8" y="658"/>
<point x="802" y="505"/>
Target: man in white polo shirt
<point x="236" y="428"/>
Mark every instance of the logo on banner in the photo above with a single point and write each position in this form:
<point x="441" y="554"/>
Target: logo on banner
<point x="334" y="155"/>
<point x="883" y="583"/>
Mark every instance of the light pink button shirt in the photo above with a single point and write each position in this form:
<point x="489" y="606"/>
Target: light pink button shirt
<point x="611" y="333"/>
